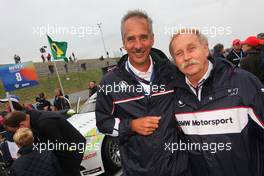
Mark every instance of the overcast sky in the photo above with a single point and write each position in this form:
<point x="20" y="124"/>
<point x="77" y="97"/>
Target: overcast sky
<point x="23" y="23"/>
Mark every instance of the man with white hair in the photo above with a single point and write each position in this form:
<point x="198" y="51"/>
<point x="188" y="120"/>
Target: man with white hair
<point x="220" y="109"/>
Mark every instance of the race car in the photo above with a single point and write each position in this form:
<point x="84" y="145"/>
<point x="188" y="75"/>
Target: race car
<point x="101" y="152"/>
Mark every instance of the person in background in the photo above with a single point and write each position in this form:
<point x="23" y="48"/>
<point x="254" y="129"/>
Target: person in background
<point x="261" y="37"/>
<point x="92" y="88"/>
<point x="17" y="59"/>
<point x="42" y="103"/>
<point x="43" y="58"/>
<point x="219" y="51"/>
<point x="66" y="67"/>
<point x="236" y="53"/>
<point x="15" y="102"/>
<point x="252" y="62"/>
<point x="32" y="162"/>
<point x="60" y="103"/>
<point x="220" y="109"/>
<point x="52" y="128"/>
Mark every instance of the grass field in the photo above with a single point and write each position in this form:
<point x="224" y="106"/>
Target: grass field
<point x="75" y="82"/>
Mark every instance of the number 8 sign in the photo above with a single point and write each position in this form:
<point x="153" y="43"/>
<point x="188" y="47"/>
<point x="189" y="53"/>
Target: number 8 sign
<point x="17" y="76"/>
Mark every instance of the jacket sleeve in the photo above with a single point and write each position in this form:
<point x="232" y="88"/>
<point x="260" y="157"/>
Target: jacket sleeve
<point x="106" y="119"/>
<point x="256" y="111"/>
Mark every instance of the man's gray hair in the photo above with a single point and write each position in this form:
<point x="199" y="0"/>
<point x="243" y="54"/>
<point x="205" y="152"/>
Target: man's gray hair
<point x="137" y="14"/>
<point x="202" y="38"/>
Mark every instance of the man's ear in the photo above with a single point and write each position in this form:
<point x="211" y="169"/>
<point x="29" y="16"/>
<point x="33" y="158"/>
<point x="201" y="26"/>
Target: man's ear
<point x="124" y="47"/>
<point x="123" y="42"/>
<point x="206" y="49"/>
<point x="25" y="123"/>
<point x="22" y="124"/>
<point x="153" y="39"/>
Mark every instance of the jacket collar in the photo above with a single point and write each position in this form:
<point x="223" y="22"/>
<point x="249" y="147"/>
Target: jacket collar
<point x="159" y="59"/>
<point x="138" y="72"/>
<point x="25" y="150"/>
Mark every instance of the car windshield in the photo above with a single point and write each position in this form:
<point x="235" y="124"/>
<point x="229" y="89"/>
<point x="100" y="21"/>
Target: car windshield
<point x="89" y="105"/>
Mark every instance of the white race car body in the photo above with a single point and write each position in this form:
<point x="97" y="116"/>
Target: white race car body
<point x="92" y="161"/>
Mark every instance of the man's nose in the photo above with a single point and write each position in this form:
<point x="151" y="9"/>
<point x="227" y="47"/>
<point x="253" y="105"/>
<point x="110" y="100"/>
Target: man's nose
<point x="187" y="56"/>
<point x="138" y="44"/>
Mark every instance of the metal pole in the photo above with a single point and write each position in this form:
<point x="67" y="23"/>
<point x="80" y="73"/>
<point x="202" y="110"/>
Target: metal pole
<point x="58" y="77"/>
<point x="10" y="102"/>
<point x="102" y="36"/>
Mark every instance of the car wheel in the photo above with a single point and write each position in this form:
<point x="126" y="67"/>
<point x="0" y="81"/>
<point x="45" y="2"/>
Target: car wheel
<point x="111" y="154"/>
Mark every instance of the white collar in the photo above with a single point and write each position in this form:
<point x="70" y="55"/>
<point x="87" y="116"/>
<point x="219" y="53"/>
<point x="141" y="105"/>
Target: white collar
<point x="139" y="73"/>
<point x="205" y="76"/>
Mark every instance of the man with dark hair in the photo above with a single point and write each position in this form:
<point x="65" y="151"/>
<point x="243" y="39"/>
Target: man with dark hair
<point x="92" y="88"/>
<point x="220" y="109"/>
<point x="135" y="104"/>
<point x="219" y="50"/>
<point x="52" y="128"/>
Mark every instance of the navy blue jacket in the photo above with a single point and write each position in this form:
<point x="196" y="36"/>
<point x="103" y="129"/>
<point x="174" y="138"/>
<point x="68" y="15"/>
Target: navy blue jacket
<point x="33" y="163"/>
<point x="224" y="130"/>
<point x="141" y="155"/>
<point x="52" y="127"/>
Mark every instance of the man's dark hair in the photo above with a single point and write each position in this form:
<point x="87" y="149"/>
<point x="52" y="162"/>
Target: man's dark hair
<point x="42" y="95"/>
<point x="218" y="48"/>
<point x="13" y="119"/>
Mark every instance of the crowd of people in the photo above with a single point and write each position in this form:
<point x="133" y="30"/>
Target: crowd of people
<point x="27" y="124"/>
<point x="210" y="102"/>
<point x="247" y="54"/>
<point x="40" y="123"/>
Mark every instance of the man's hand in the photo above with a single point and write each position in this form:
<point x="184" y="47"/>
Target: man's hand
<point x="145" y="125"/>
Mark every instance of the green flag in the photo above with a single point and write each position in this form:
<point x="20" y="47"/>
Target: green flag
<point x="58" y="49"/>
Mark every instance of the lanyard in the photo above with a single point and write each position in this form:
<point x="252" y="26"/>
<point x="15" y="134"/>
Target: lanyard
<point x="240" y="57"/>
<point x="139" y="79"/>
